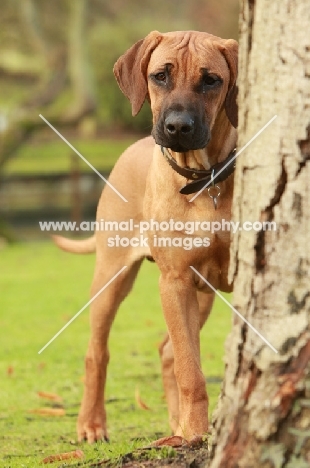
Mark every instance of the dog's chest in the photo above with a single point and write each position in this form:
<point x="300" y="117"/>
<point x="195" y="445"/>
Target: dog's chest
<point x="182" y="214"/>
<point x="184" y="233"/>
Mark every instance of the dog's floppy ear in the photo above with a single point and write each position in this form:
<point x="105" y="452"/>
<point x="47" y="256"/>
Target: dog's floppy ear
<point x="131" y="68"/>
<point x="230" y="52"/>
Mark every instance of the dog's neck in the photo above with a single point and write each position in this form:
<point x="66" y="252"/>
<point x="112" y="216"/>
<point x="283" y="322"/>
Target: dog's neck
<point x="223" y="141"/>
<point x="195" y="159"/>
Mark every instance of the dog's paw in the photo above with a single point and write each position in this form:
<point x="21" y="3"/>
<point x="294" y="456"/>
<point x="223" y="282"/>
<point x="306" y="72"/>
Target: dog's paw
<point x="91" y="432"/>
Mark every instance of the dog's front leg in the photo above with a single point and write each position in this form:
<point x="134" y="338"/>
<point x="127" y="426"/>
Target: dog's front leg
<point x="181" y="310"/>
<point x="167" y="362"/>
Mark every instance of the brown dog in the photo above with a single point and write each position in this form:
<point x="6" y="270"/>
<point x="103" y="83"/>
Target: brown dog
<point x="189" y="78"/>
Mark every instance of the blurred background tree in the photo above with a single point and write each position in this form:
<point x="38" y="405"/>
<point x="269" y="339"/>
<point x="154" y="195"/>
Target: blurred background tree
<point x="61" y="53"/>
<point x="56" y="58"/>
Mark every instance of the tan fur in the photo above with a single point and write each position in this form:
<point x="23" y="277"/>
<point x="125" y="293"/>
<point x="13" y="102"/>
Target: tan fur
<point x="83" y="246"/>
<point x="152" y="188"/>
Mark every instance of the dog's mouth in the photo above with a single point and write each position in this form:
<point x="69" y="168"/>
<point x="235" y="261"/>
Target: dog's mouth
<point x="177" y="148"/>
<point x="181" y="145"/>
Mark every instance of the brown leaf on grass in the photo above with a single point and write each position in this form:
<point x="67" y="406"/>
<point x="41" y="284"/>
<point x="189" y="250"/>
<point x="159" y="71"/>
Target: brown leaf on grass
<point x="63" y="456"/>
<point x="172" y="441"/>
<point x="139" y="402"/>
<point x="10" y="371"/>
<point x="41" y="366"/>
<point x="50" y="396"/>
<point x="49" y="411"/>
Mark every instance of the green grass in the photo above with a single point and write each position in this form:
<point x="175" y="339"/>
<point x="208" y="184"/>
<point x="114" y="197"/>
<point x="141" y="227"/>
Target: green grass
<point x="55" y="155"/>
<point x="41" y="289"/>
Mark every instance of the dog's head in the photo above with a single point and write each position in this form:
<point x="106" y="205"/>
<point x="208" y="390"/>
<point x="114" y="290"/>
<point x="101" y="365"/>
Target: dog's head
<point x="188" y="78"/>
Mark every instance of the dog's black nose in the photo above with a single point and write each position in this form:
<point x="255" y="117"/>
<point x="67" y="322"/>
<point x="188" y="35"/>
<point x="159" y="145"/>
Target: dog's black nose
<point x="179" y="124"/>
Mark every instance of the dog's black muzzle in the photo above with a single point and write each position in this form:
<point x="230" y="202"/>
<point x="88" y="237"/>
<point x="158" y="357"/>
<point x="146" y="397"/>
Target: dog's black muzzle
<point x="181" y="131"/>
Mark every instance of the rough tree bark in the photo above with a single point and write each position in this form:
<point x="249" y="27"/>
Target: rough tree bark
<point x="263" y="418"/>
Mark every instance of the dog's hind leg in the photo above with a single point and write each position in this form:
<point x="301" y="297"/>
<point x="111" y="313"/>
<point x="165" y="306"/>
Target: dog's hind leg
<point x="92" y="416"/>
<point x="167" y="362"/>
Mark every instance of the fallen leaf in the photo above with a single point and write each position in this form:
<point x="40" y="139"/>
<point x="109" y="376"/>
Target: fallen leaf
<point x="63" y="456"/>
<point x="49" y="411"/>
<point x="10" y="371"/>
<point x="41" y="366"/>
<point x="172" y="441"/>
<point x="50" y="396"/>
<point x="139" y="402"/>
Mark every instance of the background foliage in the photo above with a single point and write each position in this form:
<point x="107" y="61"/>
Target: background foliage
<point x="35" y="45"/>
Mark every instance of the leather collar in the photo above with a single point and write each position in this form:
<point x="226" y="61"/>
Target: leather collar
<point x="201" y="177"/>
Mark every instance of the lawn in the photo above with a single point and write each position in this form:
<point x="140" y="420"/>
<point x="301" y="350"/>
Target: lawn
<point x="41" y="289"/>
<point x="41" y="156"/>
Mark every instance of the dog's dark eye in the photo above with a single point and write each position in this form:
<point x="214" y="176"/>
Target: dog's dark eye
<point x="209" y="80"/>
<point x="160" y="77"/>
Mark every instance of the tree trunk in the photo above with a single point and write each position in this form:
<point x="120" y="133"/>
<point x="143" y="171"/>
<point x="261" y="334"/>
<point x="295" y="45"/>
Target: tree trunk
<point x="79" y="69"/>
<point x="53" y="56"/>
<point x="263" y="418"/>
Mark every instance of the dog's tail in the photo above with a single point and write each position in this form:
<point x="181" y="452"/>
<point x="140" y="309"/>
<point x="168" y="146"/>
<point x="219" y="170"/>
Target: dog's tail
<point x="83" y="246"/>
